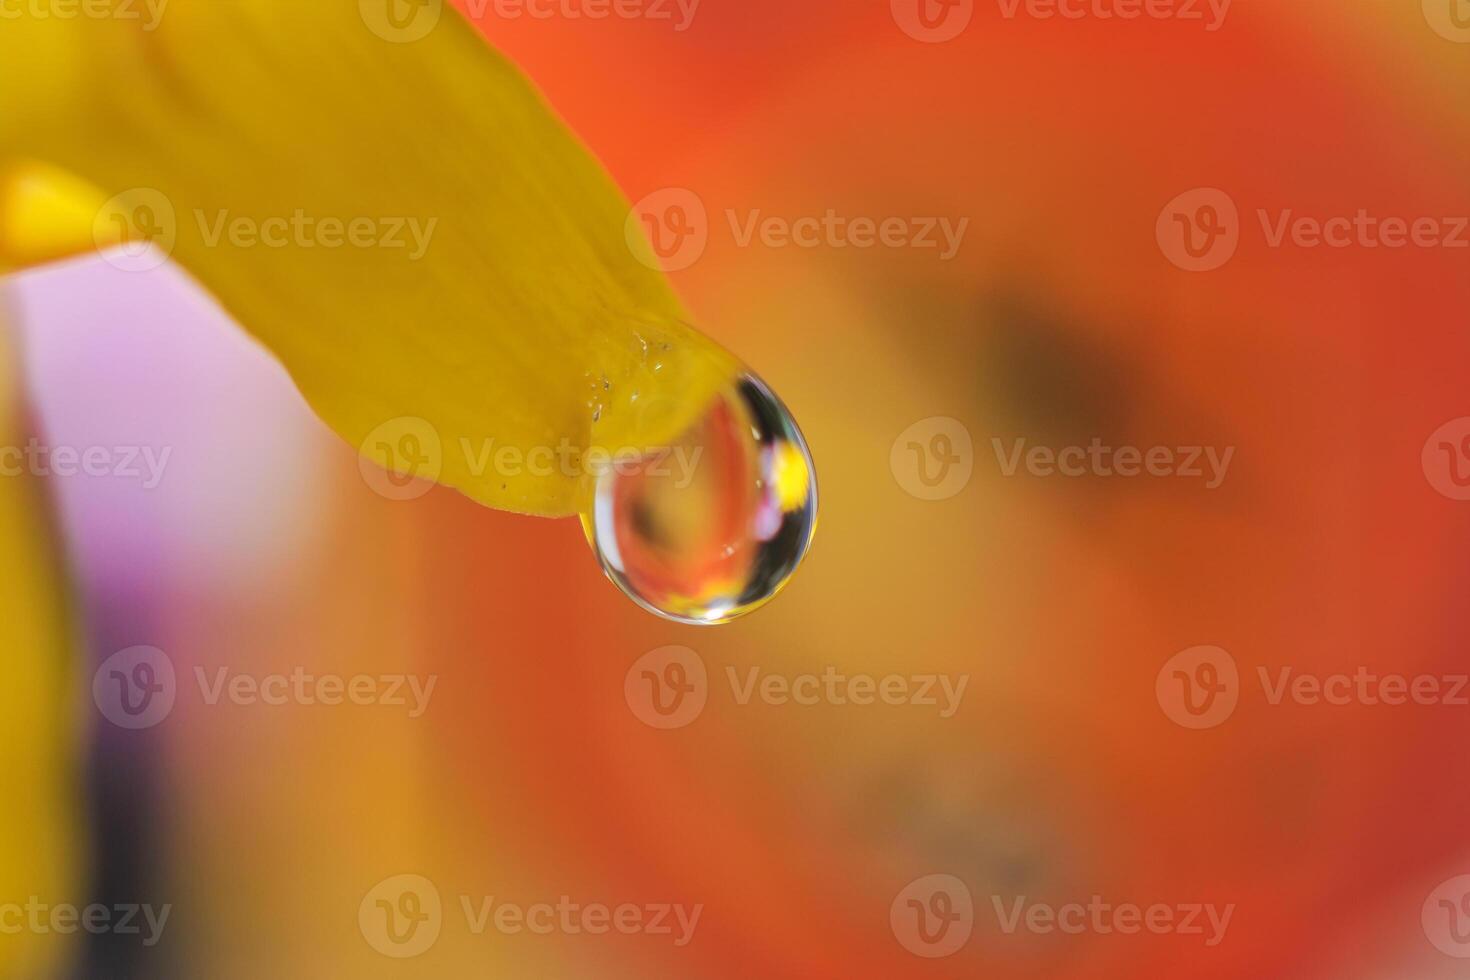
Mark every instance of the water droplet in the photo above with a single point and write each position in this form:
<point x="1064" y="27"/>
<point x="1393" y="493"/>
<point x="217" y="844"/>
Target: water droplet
<point x="711" y="527"/>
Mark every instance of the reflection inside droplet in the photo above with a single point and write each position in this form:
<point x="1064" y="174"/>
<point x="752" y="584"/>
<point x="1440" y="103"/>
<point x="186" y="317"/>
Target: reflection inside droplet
<point x="712" y="527"/>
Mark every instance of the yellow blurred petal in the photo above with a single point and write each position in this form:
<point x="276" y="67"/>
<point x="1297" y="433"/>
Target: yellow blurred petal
<point x="45" y="214"/>
<point x="509" y="310"/>
<point x="38" y="753"/>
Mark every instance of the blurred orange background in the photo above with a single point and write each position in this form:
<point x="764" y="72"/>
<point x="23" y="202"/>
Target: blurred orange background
<point x="1060" y="318"/>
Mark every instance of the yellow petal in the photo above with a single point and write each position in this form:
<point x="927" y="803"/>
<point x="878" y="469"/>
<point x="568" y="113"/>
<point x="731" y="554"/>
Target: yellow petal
<point x="45" y="214"/>
<point x="489" y="300"/>
<point x="38" y="752"/>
